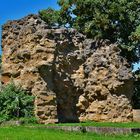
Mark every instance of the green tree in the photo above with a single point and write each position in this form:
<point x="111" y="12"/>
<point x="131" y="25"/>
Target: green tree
<point x="50" y="16"/>
<point x="116" y="20"/>
<point x="54" y="17"/>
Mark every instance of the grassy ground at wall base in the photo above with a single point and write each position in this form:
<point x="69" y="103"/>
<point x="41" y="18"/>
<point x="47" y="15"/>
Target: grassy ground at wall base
<point x="26" y="133"/>
<point x="103" y="124"/>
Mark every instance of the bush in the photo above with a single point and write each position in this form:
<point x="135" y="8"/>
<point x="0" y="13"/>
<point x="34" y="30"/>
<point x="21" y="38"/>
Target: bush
<point x="15" y="103"/>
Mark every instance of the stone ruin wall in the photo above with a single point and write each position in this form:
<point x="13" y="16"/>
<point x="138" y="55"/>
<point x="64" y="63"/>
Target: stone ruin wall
<point x="73" y="78"/>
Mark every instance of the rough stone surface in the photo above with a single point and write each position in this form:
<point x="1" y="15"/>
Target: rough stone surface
<point x="72" y="78"/>
<point x="98" y="130"/>
<point x="136" y="115"/>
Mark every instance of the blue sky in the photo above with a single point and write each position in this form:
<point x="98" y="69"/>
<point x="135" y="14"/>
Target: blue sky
<point x="15" y="9"/>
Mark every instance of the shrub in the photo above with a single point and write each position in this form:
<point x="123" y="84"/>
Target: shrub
<point x="15" y="103"/>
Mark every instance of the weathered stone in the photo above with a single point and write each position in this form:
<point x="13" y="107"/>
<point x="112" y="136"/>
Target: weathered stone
<point x="98" y="130"/>
<point x="136" y="115"/>
<point x="72" y="78"/>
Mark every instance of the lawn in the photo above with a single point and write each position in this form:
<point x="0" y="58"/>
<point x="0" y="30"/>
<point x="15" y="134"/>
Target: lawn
<point x="103" y="124"/>
<point x="26" y="133"/>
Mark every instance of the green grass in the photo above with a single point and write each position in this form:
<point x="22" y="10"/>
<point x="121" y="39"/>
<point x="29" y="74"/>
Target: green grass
<point x="39" y="132"/>
<point x="103" y="124"/>
<point x="26" y="133"/>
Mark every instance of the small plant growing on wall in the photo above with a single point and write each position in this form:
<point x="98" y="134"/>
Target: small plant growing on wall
<point x="15" y="103"/>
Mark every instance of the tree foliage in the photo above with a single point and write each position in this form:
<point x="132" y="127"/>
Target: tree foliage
<point x="50" y="16"/>
<point x="15" y="103"/>
<point x="116" y="20"/>
<point x="54" y="17"/>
